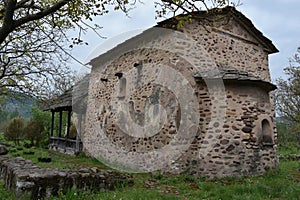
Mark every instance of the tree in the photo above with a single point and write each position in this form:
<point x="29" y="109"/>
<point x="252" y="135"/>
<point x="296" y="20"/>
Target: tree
<point x="32" y="58"/>
<point x="287" y="96"/>
<point x="43" y="118"/>
<point x="30" y="63"/>
<point x="14" y="130"/>
<point x="33" y="52"/>
<point x="176" y="7"/>
<point x="33" y="41"/>
<point x="34" y="132"/>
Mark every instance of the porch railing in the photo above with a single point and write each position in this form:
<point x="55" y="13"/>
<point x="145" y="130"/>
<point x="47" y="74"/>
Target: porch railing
<point x="64" y="145"/>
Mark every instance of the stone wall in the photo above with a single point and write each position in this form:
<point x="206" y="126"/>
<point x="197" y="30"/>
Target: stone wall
<point x="28" y="181"/>
<point x="230" y="45"/>
<point x="236" y="132"/>
<point x="235" y="145"/>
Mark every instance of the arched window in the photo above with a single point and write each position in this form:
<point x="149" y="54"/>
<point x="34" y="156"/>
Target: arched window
<point x="267" y="133"/>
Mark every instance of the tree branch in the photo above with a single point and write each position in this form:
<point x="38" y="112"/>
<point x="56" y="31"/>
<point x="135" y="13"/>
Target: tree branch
<point x="8" y="22"/>
<point x="41" y="14"/>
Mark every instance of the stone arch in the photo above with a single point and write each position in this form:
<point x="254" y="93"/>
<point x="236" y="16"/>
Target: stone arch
<point x="264" y="130"/>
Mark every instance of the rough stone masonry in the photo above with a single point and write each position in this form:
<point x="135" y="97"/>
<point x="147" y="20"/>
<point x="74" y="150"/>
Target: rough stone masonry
<point x="28" y="181"/>
<point x="222" y="60"/>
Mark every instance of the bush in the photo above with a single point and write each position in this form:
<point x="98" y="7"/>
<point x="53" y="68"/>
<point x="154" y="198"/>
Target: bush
<point x="34" y="132"/>
<point x="14" y="130"/>
<point x="73" y="131"/>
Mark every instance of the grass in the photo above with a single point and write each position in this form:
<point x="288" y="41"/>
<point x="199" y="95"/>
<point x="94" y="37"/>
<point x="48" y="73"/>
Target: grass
<point x="289" y="148"/>
<point x="59" y="160"/>
<point x="5" y="194"/>
<point x="283" y="183"/>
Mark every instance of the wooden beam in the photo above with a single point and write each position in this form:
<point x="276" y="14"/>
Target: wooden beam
<point x="69" y="123"/>
<point x="52" y="123"/>
<point x="78" y="136"/>
<point x="60" y="124"/>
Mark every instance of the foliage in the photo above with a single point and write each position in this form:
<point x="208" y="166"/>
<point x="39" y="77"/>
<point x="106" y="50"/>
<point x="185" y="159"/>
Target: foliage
<point x="34" y="132"/>
<point x="286" y="134"/>
<point x="287" y="96"/>
<point x="14" y="105"/>
<point x="282" y="183"/>
<point x="279" y="184"/>
<point x="187" y="6"/>
<point x="73" y="131"/>
<point x="5" y="194"/>
<point x="33" y="40"/>
<point x="34" y="46"/>
<point x="43" y="118"/>
<point x="59" y="160"/>
<point x="287" y="142"/>
<point x="14" y="130"/>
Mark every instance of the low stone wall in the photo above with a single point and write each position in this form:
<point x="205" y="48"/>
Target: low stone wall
<point x="29" y="181"/>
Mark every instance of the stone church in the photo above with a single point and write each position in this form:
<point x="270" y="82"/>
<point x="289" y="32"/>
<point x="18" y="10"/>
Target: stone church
<point x="189" y="95"/>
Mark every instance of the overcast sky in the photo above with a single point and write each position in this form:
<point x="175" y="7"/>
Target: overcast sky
<point x="279" y="20"/>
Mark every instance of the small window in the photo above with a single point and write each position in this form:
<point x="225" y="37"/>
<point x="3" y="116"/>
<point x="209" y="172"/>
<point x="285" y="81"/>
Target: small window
<point x="122" y="87"/>
<point x="267" y="133"/>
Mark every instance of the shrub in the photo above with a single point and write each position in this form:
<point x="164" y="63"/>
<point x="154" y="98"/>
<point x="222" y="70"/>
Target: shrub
<point x="14" y="130"/>
<point x="34" y="132"/>
<point x="73" y="131"/>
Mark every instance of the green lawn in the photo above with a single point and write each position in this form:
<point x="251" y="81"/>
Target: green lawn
<point x="289" y="148"/>
<point x="283" y="183"/>
<point x="58" y="160"/>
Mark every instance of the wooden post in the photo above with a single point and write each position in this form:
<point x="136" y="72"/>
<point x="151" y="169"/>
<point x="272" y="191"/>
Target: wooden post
<point x="69" y="123"/>
<point x="60" y="124"/>
<point x="78" y="136"/>
<point x="52" y="123"/>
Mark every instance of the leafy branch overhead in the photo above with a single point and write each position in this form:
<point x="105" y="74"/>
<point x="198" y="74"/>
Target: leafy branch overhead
<point x="64" y="13"/>
<point x="175" y="7"/>
<point x="34" y="49"/>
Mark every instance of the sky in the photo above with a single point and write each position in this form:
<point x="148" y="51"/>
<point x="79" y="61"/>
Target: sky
<point x="278" y="20"/>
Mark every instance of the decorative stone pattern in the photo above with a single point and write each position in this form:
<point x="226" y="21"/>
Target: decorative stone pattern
<point x="241" y="142"/>
<point x="28" y="181"/>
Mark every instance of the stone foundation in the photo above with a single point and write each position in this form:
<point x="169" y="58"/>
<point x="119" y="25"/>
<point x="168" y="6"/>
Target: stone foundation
<point x="28" y="181"/>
